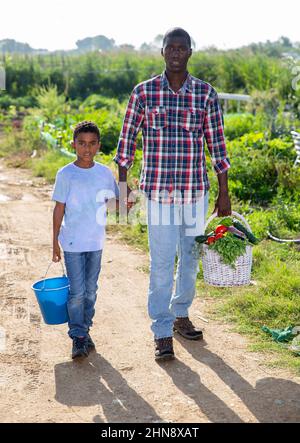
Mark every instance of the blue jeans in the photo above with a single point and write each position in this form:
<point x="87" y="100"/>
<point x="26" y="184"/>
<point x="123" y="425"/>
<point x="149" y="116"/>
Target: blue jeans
<point x="172" y="230"/>
<point x="83" y="270"/>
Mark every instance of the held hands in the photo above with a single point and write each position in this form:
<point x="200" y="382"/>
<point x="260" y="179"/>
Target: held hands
<point x="127" y="199"/>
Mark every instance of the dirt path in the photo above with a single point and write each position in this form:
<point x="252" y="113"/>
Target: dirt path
<point x="213" y="381"/>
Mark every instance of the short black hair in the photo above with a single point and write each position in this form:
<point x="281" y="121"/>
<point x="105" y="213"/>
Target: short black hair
<point x="178" y="32"/>
<point x="86" y="126"/>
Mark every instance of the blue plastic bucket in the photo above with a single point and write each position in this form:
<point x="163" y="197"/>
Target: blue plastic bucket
<point x="52" y="296"/>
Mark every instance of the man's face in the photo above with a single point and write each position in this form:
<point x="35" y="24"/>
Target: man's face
<point x="86" y="145"/>
<point x="176" y="53"/>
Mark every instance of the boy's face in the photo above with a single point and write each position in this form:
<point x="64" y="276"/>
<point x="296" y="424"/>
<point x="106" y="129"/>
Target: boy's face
<point x="86" y="145"/>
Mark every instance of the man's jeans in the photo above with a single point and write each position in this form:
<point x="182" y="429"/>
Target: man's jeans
<point x="172" y="230"/>
<point x="83" y="270"/>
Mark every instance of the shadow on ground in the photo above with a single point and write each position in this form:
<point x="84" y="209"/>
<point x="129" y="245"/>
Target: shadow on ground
<point x="271" y="400"/>
<point x="95" y="382"/>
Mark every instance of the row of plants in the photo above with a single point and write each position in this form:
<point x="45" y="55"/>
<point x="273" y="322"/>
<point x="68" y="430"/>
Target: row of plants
<point x="114" y="75"/>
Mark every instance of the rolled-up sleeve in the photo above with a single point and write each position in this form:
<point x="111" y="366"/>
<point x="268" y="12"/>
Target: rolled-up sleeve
<point x="214" y="135"/>
<point x="131" y="125"/>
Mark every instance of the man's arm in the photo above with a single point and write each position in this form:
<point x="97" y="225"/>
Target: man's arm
<point x="58" y="215"/>
<point x="215" y="139"/>
<point x="133" y="120"/>
<point x="223" y="204"/>
<point x="127" y="143"/>
<point x="126" y="193"/>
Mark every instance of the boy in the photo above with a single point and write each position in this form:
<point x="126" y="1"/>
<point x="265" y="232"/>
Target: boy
<point x="81" y="191"/>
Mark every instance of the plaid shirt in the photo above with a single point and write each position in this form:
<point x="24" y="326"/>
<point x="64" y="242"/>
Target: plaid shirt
<point x="174" y="126"/>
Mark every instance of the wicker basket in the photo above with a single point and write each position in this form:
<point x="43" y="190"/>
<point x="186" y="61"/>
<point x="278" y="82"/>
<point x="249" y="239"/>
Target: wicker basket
<point x="216" y="273"/>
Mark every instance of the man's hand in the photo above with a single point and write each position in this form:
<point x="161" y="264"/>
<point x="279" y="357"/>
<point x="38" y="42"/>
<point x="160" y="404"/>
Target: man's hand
<point x="56" y="253"/>
<point x="223" y="205"/>
<point x="127" y="198"/>
<point x="131" y="201"/>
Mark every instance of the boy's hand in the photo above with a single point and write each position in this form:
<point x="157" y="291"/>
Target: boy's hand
<point x="127" y="198"/>
<point x="56" y="253"/>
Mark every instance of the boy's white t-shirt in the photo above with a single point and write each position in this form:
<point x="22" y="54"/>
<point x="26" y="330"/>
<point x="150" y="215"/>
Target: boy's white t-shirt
<point x="84" y="192"/>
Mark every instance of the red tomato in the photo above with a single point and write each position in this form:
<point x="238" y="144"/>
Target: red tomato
<point x="211" y="240"/>
<point x="221" y="229"/>
<point x="218" y="236"/>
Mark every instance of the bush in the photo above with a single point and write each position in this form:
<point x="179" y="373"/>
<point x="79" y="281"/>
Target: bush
<point x="6" y="101"/>
<point x="257" y="165"/>
<point x="288" y="182"/>
<point x="237" y="125"/>
<point x="285" y="222"/>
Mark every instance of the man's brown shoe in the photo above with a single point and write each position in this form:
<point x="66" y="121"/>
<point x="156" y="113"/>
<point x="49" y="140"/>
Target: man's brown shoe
<point x="164" y="349"/>
<point x="186" y="328"/>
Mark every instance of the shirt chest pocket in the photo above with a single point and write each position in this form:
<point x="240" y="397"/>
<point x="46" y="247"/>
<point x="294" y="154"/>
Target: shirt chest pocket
<point x="157" y="117"/>
<point x="192" y="119"/>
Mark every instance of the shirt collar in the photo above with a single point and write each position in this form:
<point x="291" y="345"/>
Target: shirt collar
<point x="187" y="85"/>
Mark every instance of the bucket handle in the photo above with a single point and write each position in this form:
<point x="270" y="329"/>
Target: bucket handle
<point x="44" y="278"/>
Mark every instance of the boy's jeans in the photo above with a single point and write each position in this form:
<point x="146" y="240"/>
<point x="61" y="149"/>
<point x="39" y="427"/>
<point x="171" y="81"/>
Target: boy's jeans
<point x="83" y="270"/>
<point x="171" y="231"/>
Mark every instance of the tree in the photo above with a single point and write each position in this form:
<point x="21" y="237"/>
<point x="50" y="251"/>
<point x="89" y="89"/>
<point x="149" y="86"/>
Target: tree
<point x="127" y="47"/>
<point x="145" y="47"/>
<point x="286" y="42"/>
<point x="158" y="41"/>
<point x="95" y="43"/>
<point x="12" y="46"/>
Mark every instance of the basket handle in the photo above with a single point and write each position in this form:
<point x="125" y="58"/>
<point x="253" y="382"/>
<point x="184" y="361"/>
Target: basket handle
<point x="44" y="278"/>
<point x="236" y="214"/>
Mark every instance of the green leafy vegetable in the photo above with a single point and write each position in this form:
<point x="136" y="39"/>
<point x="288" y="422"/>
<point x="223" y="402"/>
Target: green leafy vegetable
<point x="229" y="248"/>
<point x="226" y="222"/>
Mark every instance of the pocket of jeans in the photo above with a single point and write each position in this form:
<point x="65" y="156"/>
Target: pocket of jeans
<point x="192" y="119"/>
<point x="157" y="117"/>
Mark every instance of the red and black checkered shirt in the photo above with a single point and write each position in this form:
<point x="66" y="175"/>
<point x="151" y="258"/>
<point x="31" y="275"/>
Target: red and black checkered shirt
<point x="174" y="126"/>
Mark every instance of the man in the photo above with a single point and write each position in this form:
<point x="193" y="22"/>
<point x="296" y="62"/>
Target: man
<point x="175" y="112"/>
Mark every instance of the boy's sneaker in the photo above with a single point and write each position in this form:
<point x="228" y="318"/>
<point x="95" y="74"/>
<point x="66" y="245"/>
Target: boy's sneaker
<point x="185" y="327"/>
<point x="79" y="348"/>
<point x="164" y="349"/>
<point x="89" y="343"/>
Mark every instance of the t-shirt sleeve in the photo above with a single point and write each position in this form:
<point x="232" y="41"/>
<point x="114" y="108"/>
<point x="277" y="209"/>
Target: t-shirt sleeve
<point x="61" y="188"/>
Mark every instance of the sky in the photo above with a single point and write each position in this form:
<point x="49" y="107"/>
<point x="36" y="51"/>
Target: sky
<point x="58" y="24"/>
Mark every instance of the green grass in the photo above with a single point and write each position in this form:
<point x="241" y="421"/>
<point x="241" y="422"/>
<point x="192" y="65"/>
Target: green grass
<point x="48" y="165"/>
<point x="135" y="236"/>
<point x="274" y="301"/>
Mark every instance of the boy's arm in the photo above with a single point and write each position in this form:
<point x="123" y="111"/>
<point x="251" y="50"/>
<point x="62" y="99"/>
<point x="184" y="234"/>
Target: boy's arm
<point x="58" y="215"/>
